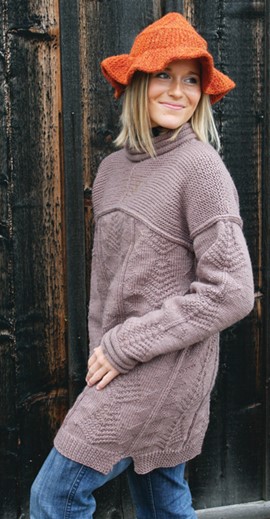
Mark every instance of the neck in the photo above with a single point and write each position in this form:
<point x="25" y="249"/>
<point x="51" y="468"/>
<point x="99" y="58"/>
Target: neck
<point x="163" y="142"/>
<point x="156" y="131"/>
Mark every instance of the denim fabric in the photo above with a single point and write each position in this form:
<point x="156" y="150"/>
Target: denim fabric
<point x="63" y="490"/>
<point x="161" y="494"/>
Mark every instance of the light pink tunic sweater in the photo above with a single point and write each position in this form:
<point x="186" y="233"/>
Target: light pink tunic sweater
<point x="170" y="270"/>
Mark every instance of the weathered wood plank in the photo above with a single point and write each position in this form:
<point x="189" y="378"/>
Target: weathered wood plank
<point x="8" y="422"/>
<point x="73" y="196"/>
<point x="38" y="300"/>
<point x="168" y="6"/>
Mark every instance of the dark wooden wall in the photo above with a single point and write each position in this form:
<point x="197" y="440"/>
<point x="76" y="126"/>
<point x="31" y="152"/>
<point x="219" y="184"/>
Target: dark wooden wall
<point x="58" y="120"/>
<point x="33" y="357"/>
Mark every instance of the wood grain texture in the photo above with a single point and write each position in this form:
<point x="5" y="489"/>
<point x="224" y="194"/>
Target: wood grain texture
<point x="33" y="249"/>
<point x="73" y="197"/>
<point x="8" y="421"/>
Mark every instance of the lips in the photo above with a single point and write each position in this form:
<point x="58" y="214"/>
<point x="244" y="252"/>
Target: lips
<point x="172" y="106"/>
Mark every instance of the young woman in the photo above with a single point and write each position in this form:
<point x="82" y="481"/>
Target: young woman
<point x="170" y="271"/>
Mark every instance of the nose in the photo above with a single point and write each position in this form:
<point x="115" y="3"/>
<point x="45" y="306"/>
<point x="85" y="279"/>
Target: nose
<point x="175" y="89"/>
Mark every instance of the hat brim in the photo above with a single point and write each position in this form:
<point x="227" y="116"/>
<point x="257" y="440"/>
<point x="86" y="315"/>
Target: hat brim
<point x="119" y="70"/>
<point x="219" y="86"/>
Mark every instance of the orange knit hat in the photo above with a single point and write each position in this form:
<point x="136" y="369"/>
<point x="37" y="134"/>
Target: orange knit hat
<point x="168" y="39"/>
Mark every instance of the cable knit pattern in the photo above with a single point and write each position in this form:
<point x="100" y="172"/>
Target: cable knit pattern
<point x="170" y="270"/>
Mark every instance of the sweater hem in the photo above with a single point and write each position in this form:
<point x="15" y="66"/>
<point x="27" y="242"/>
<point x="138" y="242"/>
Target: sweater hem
<point x="104" y="460"/>
<point x="81" y="452"/>
<point x="144" y="463"/>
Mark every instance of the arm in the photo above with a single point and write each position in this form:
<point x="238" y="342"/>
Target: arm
<point x="221" y="295"/>
<point x="223" y="290"/>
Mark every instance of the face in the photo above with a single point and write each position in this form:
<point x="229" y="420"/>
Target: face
<point x="174" y="94"/>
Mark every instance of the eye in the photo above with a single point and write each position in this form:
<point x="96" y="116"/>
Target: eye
<point x="162" y="75"/>
<point x="192" y="80"/>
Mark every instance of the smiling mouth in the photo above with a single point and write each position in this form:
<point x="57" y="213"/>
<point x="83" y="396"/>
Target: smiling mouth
<point x="172" y="106"/>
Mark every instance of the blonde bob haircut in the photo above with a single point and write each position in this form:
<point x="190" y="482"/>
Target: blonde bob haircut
<point x="135" y="122"/>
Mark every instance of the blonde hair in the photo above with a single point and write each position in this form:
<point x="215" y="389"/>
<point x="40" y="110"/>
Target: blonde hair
<point x="135" y="121"/>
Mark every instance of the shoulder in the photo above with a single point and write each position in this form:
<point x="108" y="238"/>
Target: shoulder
<point x="199" y="158"/>
<point x="110" y="168"/>
<point x="195" y="163"/>
<point x="111" y="159"/>
<point x="106" y="167"/>
<point x="208" y="191"/>
<point x="204" y="169"/>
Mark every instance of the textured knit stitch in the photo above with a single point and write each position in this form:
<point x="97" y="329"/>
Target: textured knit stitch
<point x="170" y="270"/>
<point x="168" y="39"/>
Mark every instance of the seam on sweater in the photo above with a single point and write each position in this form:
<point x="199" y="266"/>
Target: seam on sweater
<point x="99" y="254"/>
<point x="191" y="317"/>
<point x="205" y="394"/>
<point x="202" y="403"/>
<point x="223" y="217"/>
<point x="120" y="300"/>
<point x="128" y="183"/>
<point x="184" y="242"/>
<point x="161" y="400"/>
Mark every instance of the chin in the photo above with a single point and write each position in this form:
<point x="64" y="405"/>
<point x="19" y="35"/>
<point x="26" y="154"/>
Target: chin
<point x="172" y="126"/>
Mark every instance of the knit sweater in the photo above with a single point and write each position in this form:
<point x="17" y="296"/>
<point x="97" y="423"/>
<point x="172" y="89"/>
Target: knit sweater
<point x="170" y="270"/>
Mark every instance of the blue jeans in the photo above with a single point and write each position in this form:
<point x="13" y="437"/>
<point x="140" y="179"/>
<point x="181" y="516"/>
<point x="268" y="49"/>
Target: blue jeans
<point x="63" y="490"/>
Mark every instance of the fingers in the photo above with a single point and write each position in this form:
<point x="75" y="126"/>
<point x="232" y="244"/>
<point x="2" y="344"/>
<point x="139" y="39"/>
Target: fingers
<point x="100" y="371"/>
<point x="97" y="357"/>
<point x="107" y="379"/>
<point x="93" y="377"/>
<point x="92" y="360"/>
<point x="101" y="376"/>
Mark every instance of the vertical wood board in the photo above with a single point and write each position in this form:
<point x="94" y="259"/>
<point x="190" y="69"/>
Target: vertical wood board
<point x="73" y="196"/>
<point x="38" y="376"/>
<point x="8" y="424"/>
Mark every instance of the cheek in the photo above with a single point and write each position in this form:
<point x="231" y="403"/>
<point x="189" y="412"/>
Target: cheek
<point x="154" y="90"/>
<point x="195" y="99"/>
<point x="198" y="95"/>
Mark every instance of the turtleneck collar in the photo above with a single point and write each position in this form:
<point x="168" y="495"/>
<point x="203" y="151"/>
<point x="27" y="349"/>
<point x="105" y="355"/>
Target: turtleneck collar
<point x="162" y="143"/>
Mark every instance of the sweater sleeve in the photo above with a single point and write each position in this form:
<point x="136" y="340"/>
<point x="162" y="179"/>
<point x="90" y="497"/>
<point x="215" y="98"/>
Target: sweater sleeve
<point x="221" y="295"/>
<point x="222" y="292"/>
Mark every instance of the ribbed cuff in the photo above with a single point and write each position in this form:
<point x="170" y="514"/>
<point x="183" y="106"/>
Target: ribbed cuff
<point x="114" y="354"/>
